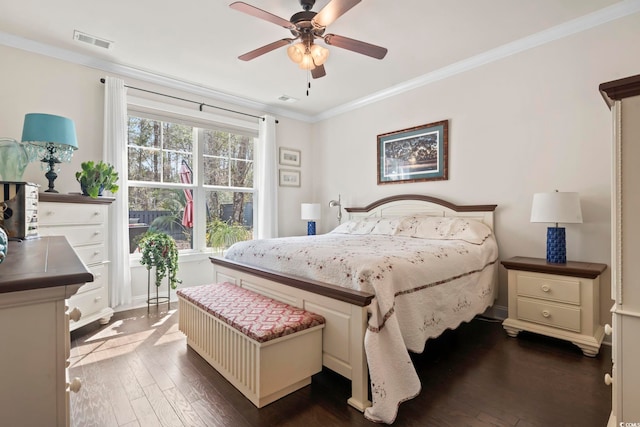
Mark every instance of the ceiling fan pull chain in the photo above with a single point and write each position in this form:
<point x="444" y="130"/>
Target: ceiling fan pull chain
<point x="308" y="82"/>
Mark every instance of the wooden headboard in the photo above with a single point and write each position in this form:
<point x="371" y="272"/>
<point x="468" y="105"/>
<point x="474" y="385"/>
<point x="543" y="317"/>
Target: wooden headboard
<point x="417" y="204"/>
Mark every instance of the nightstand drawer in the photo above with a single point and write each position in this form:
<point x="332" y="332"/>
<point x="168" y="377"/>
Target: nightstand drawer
<point x="547" y="287"/>
<point x="558" y="316"/>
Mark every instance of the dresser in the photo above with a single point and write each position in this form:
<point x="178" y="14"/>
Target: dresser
<point x="83" y="221"/>
<point x="557" y="300"/>
<point x="35" y="279"/>
<point x="623" y="97"/>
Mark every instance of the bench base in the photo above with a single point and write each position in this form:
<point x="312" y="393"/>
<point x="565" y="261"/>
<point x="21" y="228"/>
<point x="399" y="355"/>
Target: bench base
<point x="263" y="372"/>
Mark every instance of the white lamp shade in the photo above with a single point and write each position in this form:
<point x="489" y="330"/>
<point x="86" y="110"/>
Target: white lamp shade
<point x="310" y="211"/>
<point x="558" y="207"/>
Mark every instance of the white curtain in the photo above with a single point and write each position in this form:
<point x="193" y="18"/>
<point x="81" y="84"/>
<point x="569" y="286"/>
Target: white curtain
<point x="115" y="152"/>
<point x="267" y="181"/>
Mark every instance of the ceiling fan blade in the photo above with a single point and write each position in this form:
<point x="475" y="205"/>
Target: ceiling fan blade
<point x="262" y="14"/>
<point x="318" y="72"/>
<point x="334" y="10"/>
<point x="364" y="48"/>
<point x="264" y="49"/>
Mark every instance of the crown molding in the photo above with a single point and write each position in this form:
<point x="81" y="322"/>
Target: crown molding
<point x="17" y="42"/>
<point x="583" y="23"/>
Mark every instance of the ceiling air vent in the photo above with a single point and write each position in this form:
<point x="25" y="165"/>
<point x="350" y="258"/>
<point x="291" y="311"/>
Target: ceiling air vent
<point x="286" y="98"/>
<point x="93" y="40"/>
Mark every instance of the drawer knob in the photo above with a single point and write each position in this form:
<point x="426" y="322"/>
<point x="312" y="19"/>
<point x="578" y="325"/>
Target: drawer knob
<point x="96" y="233"/>
<point x="75" y="314"/>
<point x="546" y="288"/>
<point x="608" y="379"/>
<point x="546" y="313"/>
<point x="96" y="299"/>
<point x="96" y="252"/>
<point x="75" y="385"/>
<point x="608" y="329"/>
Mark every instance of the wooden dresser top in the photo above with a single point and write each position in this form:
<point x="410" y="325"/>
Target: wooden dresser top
<point x="41" y="263"/>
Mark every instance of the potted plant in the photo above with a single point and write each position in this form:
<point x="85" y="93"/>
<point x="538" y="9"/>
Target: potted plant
<point x="94" y="178"/>
<point x="159" y="250"/>
<point x="221" y="234"/>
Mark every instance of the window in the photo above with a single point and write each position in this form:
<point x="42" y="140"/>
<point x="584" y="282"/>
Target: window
<point x="193" y="181"/>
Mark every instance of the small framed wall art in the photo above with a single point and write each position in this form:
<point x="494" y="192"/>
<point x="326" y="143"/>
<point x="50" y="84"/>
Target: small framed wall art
<point x="289" y="157"/>
<point x="289" y="178"/>
<point x="415" y="154"/>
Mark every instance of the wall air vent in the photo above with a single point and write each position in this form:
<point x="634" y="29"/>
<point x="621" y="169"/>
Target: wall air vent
<point x="93" y="40"/>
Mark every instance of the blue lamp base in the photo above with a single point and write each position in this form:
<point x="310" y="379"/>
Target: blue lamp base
<point x="311" y="228"/>
<point x="556" y="245"/>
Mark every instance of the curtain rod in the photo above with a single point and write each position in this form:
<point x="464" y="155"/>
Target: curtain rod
<point x="201" y="104"/>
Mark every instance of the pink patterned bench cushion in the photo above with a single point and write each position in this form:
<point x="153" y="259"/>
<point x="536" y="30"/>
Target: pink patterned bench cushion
<point x="256" y="316"/>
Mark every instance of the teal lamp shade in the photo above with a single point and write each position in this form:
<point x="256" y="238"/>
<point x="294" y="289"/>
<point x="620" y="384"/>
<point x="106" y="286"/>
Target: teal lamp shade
<point x="50" y="138"/>
<point x="43" y="128"/>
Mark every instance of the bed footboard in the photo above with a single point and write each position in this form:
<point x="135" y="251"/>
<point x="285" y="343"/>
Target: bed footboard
<point x="344" y="310"/>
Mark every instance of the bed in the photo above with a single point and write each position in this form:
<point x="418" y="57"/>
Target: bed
<point x="400" y="271"/>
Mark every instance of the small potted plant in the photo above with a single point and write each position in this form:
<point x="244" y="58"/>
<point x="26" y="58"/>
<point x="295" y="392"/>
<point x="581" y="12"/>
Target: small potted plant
<point x="159" y="250"/>
<point x="94" y="178"/>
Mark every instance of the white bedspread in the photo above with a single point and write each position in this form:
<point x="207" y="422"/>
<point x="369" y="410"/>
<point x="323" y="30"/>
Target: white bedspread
<point x="421" y="288"/>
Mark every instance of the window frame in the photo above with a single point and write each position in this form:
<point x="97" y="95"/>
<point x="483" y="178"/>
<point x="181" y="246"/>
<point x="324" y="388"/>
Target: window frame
<point x="202" y="120"/>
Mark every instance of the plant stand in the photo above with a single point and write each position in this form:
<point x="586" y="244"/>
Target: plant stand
<point x="157" y="299"/>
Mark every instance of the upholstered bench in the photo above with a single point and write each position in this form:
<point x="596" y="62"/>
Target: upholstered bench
<point x="265" y="348"/>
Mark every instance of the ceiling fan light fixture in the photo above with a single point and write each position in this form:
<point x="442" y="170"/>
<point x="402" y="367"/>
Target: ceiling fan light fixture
<point x="319" y="54"/>
<point x="307" y="62"/>
<point x="296" y="52"/>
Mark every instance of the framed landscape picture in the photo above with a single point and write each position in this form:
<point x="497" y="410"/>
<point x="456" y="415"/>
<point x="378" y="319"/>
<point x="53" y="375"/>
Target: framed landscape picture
<point x="289" y="178"/>
<point x="289" y="157"/>
<point x="415" y="154"/>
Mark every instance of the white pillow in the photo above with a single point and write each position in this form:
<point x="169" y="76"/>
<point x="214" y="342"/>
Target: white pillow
<point x="371" y="225"/>
<point x="444" y="228"/>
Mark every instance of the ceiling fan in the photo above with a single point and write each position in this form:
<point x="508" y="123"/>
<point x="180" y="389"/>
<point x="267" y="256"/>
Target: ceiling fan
<point x="307" y="26"/>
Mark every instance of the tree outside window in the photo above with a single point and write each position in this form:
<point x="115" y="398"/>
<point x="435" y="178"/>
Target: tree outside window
<point x="164" y="191"/>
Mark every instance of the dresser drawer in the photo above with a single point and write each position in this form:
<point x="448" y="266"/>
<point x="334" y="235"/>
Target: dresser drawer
<point x="548" y="287"/>
<point x="91" y="254"/>
<point x="556" y="315"/>
<point x="89" y="302"/>
<point x="78" y="235"/>
<point x="71" y="213"/>
<point x="99" y="279"/>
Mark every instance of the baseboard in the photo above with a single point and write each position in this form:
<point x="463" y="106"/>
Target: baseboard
<point x="498" y="312"/>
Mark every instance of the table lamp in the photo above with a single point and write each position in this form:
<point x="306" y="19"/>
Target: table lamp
<point x="310" y="212"/>
<point x="556" y="207"/>
<point x="53" y="138"/>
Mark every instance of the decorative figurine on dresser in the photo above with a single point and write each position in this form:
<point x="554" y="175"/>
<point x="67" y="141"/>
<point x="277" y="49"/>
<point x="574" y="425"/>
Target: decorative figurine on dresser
<point x="19" y="208"/>
<point x="4" y="244"/>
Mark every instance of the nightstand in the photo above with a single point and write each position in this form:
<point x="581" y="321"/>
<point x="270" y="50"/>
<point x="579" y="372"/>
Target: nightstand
<point x="557" y="300"/>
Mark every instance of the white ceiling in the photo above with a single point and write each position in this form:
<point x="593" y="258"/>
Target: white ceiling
<point x="198" y="41"/>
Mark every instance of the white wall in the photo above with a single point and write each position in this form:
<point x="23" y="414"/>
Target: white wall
<point x="32" y="83"/>
<point x="529" y="123"/>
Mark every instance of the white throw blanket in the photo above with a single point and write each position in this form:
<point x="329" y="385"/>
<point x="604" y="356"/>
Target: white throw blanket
<point x="421" y="288"/>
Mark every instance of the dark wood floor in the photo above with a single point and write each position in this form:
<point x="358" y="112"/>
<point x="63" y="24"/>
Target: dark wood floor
<point x="138" y="371"/>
